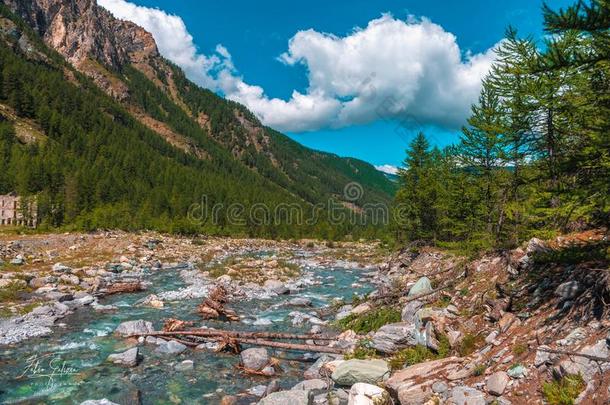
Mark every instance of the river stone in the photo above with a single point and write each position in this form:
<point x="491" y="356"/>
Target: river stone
<point x="368" y="394"/>
<point x="496" y="383"/>
<point x="313" y="372"/>
<point x="422" y="286"/>
<point x="98" y="402"/>
<point x="171" y="347"/>
<point x="367" y="371"/>
<point x="38" y="282"/>
<point x="139" y="327"/>
<point x="409" y="311"/>
<point x="276" y="286"/>
<point x="394" y="337"/>
<point x="257" y="390"/>
<point x="568" y="290"/>
<point x="300" y="302"/>
<point x="255" y="358"/>
<point x="129" y="358"/>
<point x="186" y="365"/>
<point x="288" y="397"/>
<point x="463" y="395"/>
<point x="273" y="386"/>
<point x="309" y="385"/>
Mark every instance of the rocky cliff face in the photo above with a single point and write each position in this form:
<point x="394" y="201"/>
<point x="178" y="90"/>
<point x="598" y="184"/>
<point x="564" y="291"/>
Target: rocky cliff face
<point x="81" y="30"/>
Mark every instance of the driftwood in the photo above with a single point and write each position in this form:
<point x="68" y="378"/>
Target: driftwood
<point x="239" y="334"/>
<point x="569" y="353"/>
<point x="129" y="287"/>
<point x="172" y="325"/>
<point x="213" y="306"/>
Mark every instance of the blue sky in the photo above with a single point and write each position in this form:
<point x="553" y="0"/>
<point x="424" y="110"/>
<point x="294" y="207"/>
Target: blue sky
<point x="253" y="36"/>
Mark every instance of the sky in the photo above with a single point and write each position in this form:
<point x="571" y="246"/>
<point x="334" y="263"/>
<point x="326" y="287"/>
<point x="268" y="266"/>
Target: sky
<point x="358" y="78"/>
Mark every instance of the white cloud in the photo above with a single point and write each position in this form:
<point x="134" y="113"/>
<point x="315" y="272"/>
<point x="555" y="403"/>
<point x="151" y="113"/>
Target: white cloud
<point x="409" y="70"/>
<point x="389" y="169"/>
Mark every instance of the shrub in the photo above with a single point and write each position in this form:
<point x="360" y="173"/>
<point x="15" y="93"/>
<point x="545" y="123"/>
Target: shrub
<point x="469" y="344"/>
<point x="519" y="349"/>
<point x="369" y="321"/>
<point x="564" y="391"/>
<point x="362" y="351"/>
<point x="479" y="370"/>
<point x="11" y="292"/>
<point x="419" y="354"/>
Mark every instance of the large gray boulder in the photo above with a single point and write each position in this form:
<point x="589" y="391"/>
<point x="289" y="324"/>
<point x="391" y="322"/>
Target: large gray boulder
<point x="129" y="358"/>
<point x="367" y="371"/>
<point x="568" y="290"/>
<point x="313" y="372"/>
<point x="422" y="286"/>
<point x="463" y="395"/>
<point x="368" y="394"/>
<point x="496" y="383"/>
<point x="409" y="311"/>
<point x="255" y="358"/>
<point x="394" y="337"/>
<point x="295" y="397"/>
<point x="139" y="327"/>
<point x="276" y="286"/>
<point x="311" y="385"/>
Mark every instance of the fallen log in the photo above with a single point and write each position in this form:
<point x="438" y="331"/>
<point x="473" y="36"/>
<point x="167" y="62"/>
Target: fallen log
<point x="290" y="346"/>
<point x="239" y="334"/>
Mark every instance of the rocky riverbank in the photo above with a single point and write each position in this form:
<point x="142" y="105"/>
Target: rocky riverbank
<point x="523" y="326"/>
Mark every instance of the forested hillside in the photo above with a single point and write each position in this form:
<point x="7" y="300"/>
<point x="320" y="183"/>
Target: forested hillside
<point x="118" y="148"/>
<point x="534" y="159"/>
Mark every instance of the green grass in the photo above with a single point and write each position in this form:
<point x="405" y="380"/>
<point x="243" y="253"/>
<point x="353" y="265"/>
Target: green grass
<point x="369" y="321"/>
<point x="362" y="351"/>
<point x="419" y="354"/>
<point x="479" y="370"/>
<point x="469" y="344"/>
<point x="564" y="391"/>
<point x="11" y="292"/>
<point x="519" y="349"/>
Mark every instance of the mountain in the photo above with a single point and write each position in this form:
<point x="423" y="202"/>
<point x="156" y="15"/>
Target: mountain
<point x="106" y="132"/>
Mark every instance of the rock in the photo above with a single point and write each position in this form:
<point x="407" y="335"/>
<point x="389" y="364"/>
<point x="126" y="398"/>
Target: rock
<point x="367" y="394"/>
<point x="60" y="268"/>
<point x="224" y="279"/>
<point x="186" y="365"/>
<point x="69" y="279"/>
<point x="138" y="327"/>
<point x="43" y="310"/>
<point x="491" y="337"/>
<point x="311" y="385"/>
<point x="258" y="390"/>
<point x="454" y="337"/>
<point x="129" y="358"/>
<point x="38" y="282"/>
<point x="573" y="337"/>
<point x="409" y="311"/>
<point x="268" y="371"/>
<point x="585" y="367"/>
<point x="452" y="309"/>
<point x="171" y="347"/>
<point x="228" y="400"/>
<point x="536" y="245"/>
<point x="496" y="383"/>
<point x="402" y="382"/>
<point x="255" y="358"/>
<point x="422" y="286"/>
<point x="18" y="261"/>
<point x="273" y="386"/>
<point x="544" y="357"/>
<point x="463" y="395"/>
<point x="61" y="309"/>
<point x="440" y="387"/>
<point x="313" y="372"/>
<point x="517" y="371"/>
<point x="276" y="286"/>
<point x="61" y="297"/>
<point x="394" y="337"/>
<point x="361" y="309"/>
<point x="152" y="301"/>
<point x="366" y="371"/>
<point x="568" y="290"/>
<point x="86" y="300"/>
<point x="300" y="302"/>
<point x="98" y="402"/>
<point x="291" y="397"/>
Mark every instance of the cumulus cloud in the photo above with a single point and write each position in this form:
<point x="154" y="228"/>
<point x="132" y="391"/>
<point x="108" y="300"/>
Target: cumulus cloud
<point x="389" y="169"/>
<point x="407" y="70"/>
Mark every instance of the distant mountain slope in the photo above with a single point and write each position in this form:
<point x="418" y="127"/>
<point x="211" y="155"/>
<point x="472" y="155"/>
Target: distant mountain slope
<point x="123" y="60"/>
<point x="140" y="155"/>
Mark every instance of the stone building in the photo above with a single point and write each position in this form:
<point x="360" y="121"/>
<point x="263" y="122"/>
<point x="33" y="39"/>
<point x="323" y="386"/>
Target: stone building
<point x="12" y="211"/>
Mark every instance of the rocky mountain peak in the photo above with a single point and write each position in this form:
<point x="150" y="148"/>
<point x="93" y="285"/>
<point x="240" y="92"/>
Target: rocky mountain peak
<point x="81" y="30"/>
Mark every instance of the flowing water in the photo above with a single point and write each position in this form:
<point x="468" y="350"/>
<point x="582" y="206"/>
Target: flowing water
<point x="70" y="366"/>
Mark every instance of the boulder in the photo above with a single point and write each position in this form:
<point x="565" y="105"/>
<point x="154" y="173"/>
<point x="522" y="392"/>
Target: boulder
<point x="18" y="261"/>
<point x="422" y="371"/>
<point x="291" y="397"/>
<point x="422" y="286"/>
<point x="463" y="395"/>
<point x="129" y="358"/>
<point x="517" y="371"/>
<point x="138" y="327"/>
<point x="60" y="268"/>
<point x="496" y="383"/>
<point x="585" y="367"/>
<point x="361" y="309"/>
<point x="367" y="394"/>
<point x="568" y="290"/>
<point x="313" y="372"/>
<point x="300" y="302"/>
<point x="317" y="385"/>
<point x="394" y="337"/>
<point x="69" y="279"/>
<point x="367" y="371"/>
<point x="12" y="282"/>
<point x="98" y="402"/>
<point x="255" y="358"/>
<point x="186" y="365"/>
<point x="171" y="347"/>
<point x="152" y="301"/>
<point x="409" y="311"/>
<point x="38" y="282"/>
<point x="276" y="286"/>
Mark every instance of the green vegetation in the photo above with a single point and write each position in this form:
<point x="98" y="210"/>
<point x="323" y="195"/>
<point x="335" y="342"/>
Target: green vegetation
<point x="12" y="292"/>
<point x="519" y="349"/>
<point x="564" y="391"/>
<point x="419" y="354"/>
<point x="369" y="321"/>
<point x="578" y="253"/>
<point x="362" y="351"/>
<point x="469" y="344"/>
<point x="479" y="370"/>
<point x="534" y="159"/>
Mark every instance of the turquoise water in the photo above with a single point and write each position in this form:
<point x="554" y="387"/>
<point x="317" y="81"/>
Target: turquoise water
<point x="70" y="366"/>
